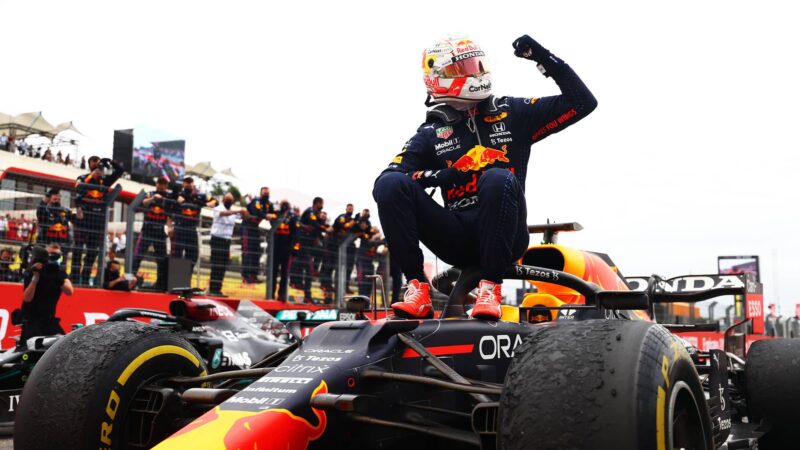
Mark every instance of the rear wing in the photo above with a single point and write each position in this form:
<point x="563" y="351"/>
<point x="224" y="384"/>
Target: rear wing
<point x="694" y="288"/>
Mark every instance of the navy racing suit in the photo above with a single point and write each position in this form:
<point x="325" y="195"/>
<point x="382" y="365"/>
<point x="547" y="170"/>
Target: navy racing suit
<point x="479" y="159"/>
<point x="258" y="209"/>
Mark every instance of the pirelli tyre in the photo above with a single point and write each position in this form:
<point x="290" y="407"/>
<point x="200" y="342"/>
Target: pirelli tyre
<point x="597" y="384"/>
<point x="772" y="372"/>
<point x="98" y="388"/>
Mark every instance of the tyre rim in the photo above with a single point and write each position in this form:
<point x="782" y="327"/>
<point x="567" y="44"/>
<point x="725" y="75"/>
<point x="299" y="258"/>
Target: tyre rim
<point x="686" y="430"/>
<point x="139" y="430"/>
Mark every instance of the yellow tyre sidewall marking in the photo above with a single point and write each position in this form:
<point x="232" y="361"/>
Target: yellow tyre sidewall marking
<point x="152" y="353"/>
<point x="114" y="400"/>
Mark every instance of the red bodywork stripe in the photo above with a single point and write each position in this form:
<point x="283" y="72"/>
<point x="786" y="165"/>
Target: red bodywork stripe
<point x="442" y="350"/>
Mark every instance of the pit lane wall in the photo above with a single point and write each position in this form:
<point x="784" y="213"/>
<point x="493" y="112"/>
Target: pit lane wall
<point x="87" y="306"/>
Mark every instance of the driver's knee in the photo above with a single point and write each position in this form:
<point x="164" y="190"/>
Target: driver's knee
<point x="496" y="181"/>
<point x="389" y="185"/>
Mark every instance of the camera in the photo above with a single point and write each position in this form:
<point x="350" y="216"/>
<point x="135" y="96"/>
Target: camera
<point x="106" y="165"/>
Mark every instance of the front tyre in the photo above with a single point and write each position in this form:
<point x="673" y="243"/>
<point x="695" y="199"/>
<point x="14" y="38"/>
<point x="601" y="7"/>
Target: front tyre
<point x="597" y="384"/>
<point x="99" y="387"/>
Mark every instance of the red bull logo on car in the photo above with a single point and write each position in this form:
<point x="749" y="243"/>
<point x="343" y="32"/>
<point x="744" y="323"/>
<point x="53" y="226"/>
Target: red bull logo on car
<point x="479" y="157"/>
<point x="272" y="429"/>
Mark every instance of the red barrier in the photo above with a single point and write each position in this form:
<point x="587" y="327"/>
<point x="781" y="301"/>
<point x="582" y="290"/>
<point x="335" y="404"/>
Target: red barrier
<point x="709" y="340"/>
<point x="87" y="306"/>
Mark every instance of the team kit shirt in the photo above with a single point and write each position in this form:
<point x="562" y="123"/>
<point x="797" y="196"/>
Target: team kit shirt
<point x="155" y="214"/>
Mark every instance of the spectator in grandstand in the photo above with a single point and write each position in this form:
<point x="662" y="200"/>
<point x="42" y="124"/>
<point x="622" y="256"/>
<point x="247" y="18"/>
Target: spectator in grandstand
<point x="23" y="147"/>
<point x="156" y="206"/>
<point x="4" y="142"/>
<point x="11" y="228"/>
<point x="3" y="228"/>
<point x="285" y="227"/>
<point x="117" y="281"/>
<point x="186" y="218"/>
<point x="67" y="161"/>
<point x="25" y="228"/>
<point x="258" y="209"/>
<point x="90" y="217"/>
<point x="43" y="284"/>
<point x="311" y="229"/>
<point x="221" y="233"/>
<point x="83" y="163"/>
<point x="48" y="155"/>
<point x="6" y="260"/>
<point x="59" y="157"/>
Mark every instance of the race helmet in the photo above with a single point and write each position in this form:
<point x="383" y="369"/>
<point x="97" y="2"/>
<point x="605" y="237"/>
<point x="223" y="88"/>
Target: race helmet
<point x="455" y="72"/>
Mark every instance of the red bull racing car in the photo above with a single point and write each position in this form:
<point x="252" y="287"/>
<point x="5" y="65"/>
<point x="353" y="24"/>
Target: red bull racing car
<point x="578" y="365"/>
<point x="225" y="338"/>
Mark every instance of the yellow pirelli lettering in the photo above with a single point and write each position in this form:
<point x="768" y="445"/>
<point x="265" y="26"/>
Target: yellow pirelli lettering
<point x="112" y="405"/>
<point x="661" y="438"/>
<point x="665" y="369"/>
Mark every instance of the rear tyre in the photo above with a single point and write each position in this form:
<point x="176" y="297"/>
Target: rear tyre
<point x="80" y="394"/>
<point x="772" y="372"/>
<point x="626" y="385"/>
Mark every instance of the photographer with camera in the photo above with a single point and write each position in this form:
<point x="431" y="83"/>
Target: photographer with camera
<point x="90" y="216"/>
<point x="43" y="284"/>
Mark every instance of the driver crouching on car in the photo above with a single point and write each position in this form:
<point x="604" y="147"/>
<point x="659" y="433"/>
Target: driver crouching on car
<point x="475" y="148"/>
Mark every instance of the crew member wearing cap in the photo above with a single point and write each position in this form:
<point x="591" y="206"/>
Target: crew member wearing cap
<point x="53" y="219"/>
<point x="285" y="225"/>
<point x="185" y="219"/>
<point x="90" y="217"/>
<point x="258" y="209"/>
<point x="152" y="236"/>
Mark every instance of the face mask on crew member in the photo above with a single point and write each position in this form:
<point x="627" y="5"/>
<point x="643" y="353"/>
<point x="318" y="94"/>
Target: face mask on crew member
<point x="227" y="204"/>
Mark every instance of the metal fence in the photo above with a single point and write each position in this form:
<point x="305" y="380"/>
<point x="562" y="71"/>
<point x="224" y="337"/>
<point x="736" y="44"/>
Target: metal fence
<point x="260" y="261"/>
<point x="104" y="239"/>
<point x="30" y="216"/>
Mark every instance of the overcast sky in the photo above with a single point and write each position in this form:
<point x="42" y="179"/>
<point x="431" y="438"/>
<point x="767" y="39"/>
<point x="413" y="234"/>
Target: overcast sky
<point x="692" y="152"/>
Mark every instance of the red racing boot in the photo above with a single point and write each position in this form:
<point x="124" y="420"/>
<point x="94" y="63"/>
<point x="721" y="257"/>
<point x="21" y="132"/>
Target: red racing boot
<point x="487" y="305"/>
<point x="416" y="302"/>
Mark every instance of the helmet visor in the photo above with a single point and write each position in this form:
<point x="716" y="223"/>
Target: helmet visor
<point x="465" y="65"/>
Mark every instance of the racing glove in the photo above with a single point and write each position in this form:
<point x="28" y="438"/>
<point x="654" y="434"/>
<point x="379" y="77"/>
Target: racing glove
<point x="527" y="48"/>
<point x="444" y="178"/>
